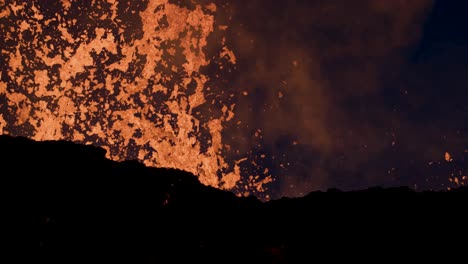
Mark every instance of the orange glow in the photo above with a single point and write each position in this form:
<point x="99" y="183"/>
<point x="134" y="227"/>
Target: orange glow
<point x="448" y="158"/>
<point x="97" y="99"/>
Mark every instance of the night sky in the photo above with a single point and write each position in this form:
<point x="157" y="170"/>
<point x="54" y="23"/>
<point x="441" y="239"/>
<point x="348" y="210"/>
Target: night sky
<point x="271" y="98"/>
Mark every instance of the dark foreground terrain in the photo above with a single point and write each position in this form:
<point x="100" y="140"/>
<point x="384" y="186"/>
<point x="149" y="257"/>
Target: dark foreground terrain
<point x="87" y="209"/>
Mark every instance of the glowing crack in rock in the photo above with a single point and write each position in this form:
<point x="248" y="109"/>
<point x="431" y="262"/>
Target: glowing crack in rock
<point x="83" y="73"/>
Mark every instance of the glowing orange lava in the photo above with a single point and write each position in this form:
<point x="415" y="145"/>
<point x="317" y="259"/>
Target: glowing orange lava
<point x="87" y="79"/>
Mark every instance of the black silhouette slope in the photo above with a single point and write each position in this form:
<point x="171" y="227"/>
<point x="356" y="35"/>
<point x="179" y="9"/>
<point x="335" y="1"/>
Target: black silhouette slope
<point x="91" y="209"/>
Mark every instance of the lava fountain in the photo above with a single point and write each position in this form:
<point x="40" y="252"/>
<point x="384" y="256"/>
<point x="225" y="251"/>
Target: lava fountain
<point x="122" y="75"/>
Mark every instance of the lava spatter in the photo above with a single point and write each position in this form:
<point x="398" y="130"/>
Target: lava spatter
<point x="121" y="75"/>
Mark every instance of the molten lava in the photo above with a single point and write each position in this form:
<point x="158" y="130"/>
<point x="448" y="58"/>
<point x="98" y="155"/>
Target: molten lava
<point x="120" y="76"/>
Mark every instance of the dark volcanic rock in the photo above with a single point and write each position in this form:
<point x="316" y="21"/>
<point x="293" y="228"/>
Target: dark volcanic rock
<point x="90" y="209"/>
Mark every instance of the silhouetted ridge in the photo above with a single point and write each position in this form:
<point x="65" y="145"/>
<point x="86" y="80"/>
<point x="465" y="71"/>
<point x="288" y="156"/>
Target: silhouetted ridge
<point x="91" y="209"/>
